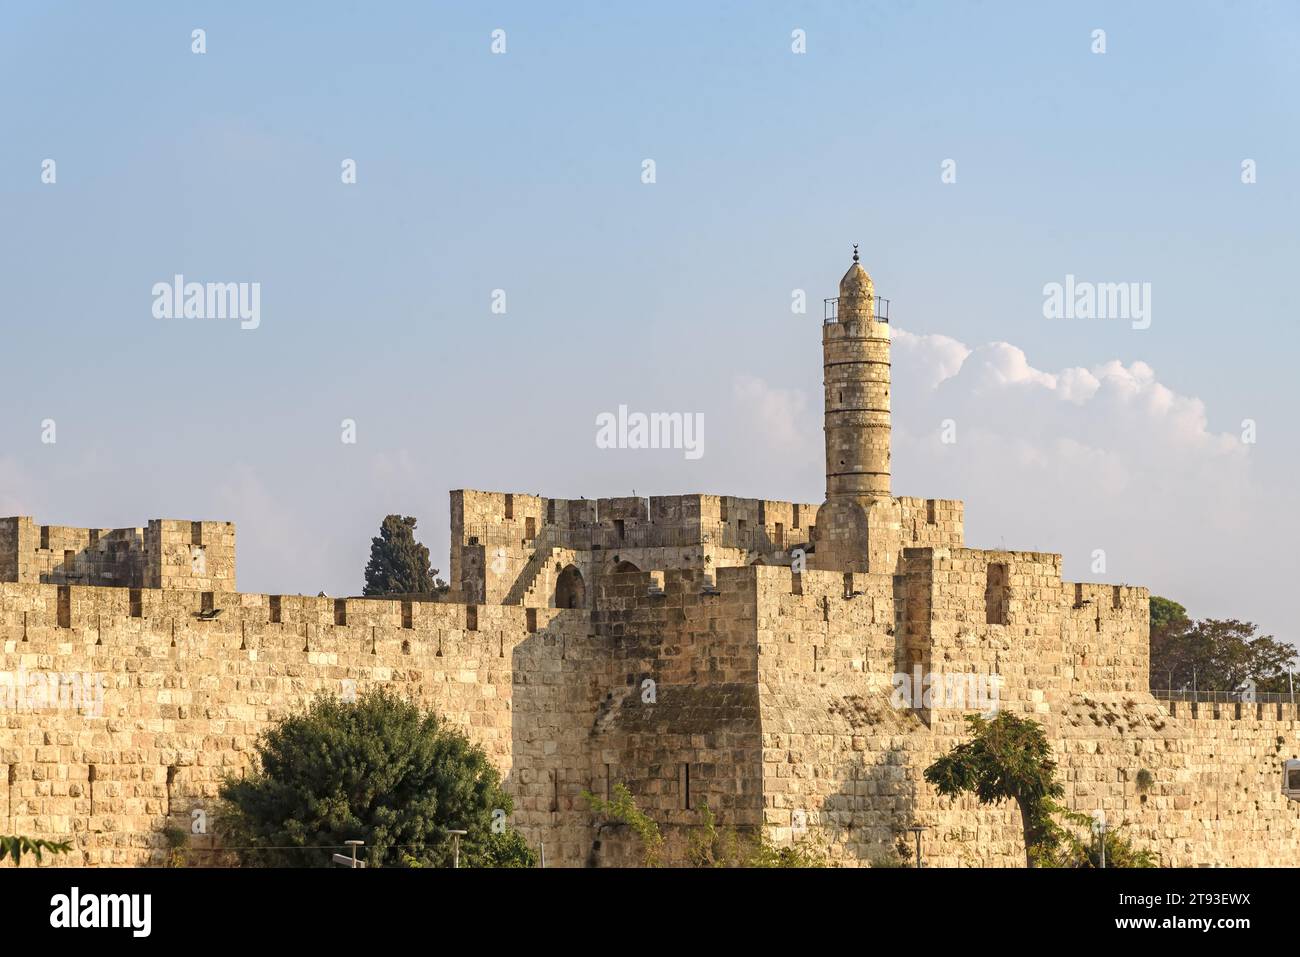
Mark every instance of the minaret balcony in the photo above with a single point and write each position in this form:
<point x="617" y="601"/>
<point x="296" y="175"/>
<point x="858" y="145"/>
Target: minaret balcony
<point x="831" y="309"/>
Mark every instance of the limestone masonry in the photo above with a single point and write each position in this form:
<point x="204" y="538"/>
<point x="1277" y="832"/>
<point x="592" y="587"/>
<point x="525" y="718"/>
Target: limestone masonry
<point x="134" y="676"/>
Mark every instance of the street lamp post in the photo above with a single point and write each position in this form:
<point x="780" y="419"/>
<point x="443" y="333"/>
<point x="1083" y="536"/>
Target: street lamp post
<point x="455" y="846"/>
<point x="1099" y="828"/>
<point x="916" y="829"/>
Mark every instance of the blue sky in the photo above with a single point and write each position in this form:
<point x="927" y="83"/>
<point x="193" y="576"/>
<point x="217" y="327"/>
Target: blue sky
<point x="522" y="172"/>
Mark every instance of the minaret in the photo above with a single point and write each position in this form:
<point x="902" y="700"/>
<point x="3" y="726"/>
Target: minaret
<point x="855" y="356"/>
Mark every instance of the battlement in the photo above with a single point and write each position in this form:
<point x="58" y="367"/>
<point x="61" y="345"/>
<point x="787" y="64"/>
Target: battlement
<point x="667" y="519"/>
<point x="1248" y="712"/>
<point x="33" y="612"/>
<point x="167" y="553"/>
<point x="494" y="518"/>
<point x="1092" y="601"/>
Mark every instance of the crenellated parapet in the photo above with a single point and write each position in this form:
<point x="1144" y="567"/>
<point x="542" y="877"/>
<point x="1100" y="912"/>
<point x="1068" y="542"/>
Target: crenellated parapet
<point x="167" y="553"/>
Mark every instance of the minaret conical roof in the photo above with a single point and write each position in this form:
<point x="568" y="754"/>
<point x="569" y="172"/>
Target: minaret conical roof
<point x="856" y="288"/>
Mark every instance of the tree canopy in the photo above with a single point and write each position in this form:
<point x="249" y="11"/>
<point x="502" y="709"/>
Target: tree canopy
<point x="378" y="770"/>
<point x="1213" y="654"/>
<point x="1007" y="759"/>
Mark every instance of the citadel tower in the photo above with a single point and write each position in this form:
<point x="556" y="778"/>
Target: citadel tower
<point x="855" y="357"/>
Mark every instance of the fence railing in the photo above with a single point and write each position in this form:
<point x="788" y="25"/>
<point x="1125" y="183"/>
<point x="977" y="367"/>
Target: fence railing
<point x="831" y="309"/>
<point x="1223" y="697"/>
<point x="761" y="540"/>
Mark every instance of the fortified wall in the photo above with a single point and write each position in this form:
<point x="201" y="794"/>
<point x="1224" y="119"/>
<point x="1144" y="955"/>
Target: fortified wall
<point x="773" y="703"/>
<point x="794" y="666"/>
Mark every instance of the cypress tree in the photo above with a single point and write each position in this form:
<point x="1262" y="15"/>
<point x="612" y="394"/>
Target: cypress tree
<point x="399" y="565"/>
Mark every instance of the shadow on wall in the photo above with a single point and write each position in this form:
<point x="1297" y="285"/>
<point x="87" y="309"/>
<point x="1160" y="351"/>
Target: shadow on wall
<point x="571" y="589"/>
<point x="110" y="561"/>
<point x="866" y="820"/>
<point x="553" y="703"/>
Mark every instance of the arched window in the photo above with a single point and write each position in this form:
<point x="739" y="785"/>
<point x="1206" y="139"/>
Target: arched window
<point x="570" y="589"/>
<point x="623" y="568"/>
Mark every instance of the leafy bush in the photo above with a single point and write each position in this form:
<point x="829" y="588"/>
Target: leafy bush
<point x="1066" y="847"/>
<point x="800" y="854"/>
<point x="376" y="770"/>
<point x="623" y="810"/>
<point x="707" y="844"/>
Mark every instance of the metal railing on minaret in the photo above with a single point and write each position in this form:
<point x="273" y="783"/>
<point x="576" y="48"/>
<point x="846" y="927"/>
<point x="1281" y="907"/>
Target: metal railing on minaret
<point x="831" y="309"/>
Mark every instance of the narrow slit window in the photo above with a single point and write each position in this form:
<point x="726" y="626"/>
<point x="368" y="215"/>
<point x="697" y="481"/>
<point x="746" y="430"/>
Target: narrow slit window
<point x="340" y="611"/>
<point x="65" y="606"/>
<point x="996" y="594"/>
<point x="275" y="610"/>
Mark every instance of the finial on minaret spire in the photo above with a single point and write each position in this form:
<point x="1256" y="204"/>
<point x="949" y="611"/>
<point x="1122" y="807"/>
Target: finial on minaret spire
<point x="855" y="252"/>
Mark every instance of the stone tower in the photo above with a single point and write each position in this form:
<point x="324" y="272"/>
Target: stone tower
<point x="855" y="355"/>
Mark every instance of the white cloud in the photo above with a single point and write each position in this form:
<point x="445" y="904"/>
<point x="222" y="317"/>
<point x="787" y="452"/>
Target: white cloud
<point x="1079" y="459"/>
<point x="780" y="413"/>
<point x="933" y="357"/>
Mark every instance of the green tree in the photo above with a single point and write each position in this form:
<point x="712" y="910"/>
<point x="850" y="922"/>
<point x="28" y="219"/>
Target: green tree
<point x="378" y="770"/>
<point x="16" y="846"/>
<point x="399" y="565"/>
<point x="1007" y="759"/>
<point x="1213" y="654"/>
<point x="1166" y="614"/>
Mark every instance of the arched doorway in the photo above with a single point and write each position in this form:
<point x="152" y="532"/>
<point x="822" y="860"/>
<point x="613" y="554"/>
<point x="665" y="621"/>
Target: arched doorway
<point x="570" y="589"/>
